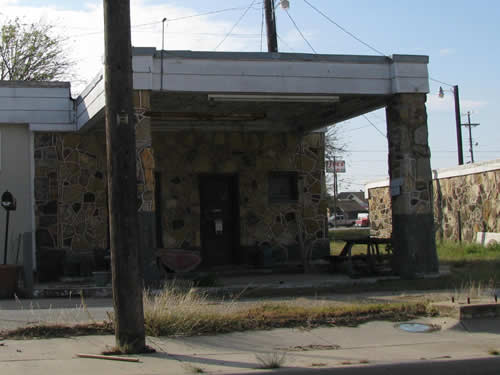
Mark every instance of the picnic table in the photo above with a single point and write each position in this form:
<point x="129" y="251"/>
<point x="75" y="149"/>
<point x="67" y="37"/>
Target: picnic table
<point x="372" y="262"/>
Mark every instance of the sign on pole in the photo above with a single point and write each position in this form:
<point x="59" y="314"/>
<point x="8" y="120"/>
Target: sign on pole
<point x="336" y="165"/>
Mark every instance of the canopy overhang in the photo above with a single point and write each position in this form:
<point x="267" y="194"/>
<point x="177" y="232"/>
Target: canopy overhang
<point x="259" y="91"/>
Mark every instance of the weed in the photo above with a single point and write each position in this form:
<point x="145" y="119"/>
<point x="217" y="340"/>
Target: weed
<point x="271" y="360"/>
<point x="194" y="369"/>
<point x="207" y="280"/>
<point x="493" y="352"/>
<point x="318" y="364"/>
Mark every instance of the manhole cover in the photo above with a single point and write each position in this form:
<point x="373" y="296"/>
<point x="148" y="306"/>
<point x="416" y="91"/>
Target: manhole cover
<point x="418" y="327"/>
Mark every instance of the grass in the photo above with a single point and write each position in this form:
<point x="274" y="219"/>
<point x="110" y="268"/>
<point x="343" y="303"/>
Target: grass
<point x="272" y="360"/>
<point x="182" y="312"/>
<point x="179" y="312"/>
<point x="472" y="266"/>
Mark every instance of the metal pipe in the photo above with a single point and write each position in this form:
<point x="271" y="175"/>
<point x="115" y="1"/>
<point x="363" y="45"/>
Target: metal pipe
<point x="6" y="238"/>
<point x="162" y="49"/>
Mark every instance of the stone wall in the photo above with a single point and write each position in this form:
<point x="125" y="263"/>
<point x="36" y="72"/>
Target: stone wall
<point x="70" y="191"/>
<point x="468" y="203"/>
<point x="181" y="157"/>
<point x="71" y="197"/>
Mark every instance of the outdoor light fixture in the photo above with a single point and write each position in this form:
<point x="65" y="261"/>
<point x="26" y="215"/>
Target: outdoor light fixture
<point x="9" y="203"/>
<point x="285" y="4"/>
<point x="441" y="92"/>
<point x="273" y="98"/>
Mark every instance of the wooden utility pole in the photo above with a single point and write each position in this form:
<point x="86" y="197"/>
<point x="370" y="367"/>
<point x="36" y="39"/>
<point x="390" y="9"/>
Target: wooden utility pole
<point x="122" y="185"/>
<point x="272" y="38"/>
<point x="471" y="143"/>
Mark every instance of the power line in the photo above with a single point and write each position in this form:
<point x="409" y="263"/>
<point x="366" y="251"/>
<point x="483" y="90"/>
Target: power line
<point x="344" y="29"/>
<point x="300" y="32"/>
<point x="235" y="25"/>
<point x="441" y="82"/>
<point x="372" y="124"/>
<point x="284" y="42"/>
<point x="169" y="20"/>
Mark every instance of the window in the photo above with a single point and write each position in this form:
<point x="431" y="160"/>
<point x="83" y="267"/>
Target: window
<point x="283" y="187"/>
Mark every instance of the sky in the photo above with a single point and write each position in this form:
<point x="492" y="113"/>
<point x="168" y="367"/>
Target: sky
<point x="461" y="38"/>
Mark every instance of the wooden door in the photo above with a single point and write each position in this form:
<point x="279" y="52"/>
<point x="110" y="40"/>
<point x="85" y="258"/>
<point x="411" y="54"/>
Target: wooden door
<point x="219" y="219"/>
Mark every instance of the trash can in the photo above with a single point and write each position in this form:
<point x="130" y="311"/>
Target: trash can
<point x="8" y="280"/>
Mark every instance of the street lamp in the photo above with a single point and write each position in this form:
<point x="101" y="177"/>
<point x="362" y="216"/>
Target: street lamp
<point x="9" y="203"/>
<point x="457" y="120"/>
<point x="162" y="48"/>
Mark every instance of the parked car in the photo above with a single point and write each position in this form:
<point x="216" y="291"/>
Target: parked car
<point x="363" y="220"/>
<point x="339" y="221"/>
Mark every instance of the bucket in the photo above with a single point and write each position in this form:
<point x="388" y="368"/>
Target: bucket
<point x="8" y="280"/>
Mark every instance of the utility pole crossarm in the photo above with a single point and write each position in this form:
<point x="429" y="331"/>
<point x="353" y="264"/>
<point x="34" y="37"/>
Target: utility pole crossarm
<point x="470" y="125"/>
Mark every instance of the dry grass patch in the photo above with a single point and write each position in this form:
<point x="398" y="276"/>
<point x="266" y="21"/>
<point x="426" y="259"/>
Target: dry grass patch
<point x="272" y="360"/>
<point x="177" y="312"/>
<point x="56" y="330"/>
<point x="184" y="312"/>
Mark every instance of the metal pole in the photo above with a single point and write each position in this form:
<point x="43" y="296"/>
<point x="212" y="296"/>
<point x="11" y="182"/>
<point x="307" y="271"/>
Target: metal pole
<point x="459" y="126"/>
<point x="272" y="39"/>
<point x="6" y="238"/>
<point x="162" y="49"/>
<point x="335" y="192"/>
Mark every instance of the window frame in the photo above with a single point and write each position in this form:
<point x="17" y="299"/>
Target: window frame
<point x="293" y="187"/>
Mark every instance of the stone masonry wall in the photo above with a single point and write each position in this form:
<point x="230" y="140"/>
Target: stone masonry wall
<point x="182" y="156"/>
<point x="470" y="203"/>
<point x="70" y="191"/>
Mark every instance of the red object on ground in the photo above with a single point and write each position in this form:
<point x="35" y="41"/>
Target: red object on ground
<point x="179" y="260"/>
<point x="364" y="222"/>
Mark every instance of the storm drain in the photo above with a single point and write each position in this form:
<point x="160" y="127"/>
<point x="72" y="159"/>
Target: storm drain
<point x="418" y="327"/>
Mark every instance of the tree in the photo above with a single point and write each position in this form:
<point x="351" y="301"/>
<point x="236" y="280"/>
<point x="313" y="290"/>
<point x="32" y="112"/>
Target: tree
<point x="30" y="52"/>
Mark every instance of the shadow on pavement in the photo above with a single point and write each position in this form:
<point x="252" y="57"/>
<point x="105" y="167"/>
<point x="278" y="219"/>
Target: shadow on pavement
<point x="188" y="359"/>
<point x="480" y="326"/>
<point x="483" y="366"/>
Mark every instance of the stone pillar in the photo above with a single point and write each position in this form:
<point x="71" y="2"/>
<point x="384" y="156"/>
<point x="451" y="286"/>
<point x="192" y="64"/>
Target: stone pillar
<point x="145" y="187"/>
<point x="411" y="186"/>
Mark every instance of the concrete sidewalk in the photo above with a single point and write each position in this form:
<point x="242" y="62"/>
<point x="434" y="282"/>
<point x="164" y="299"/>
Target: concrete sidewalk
<point x="371" y="344"/>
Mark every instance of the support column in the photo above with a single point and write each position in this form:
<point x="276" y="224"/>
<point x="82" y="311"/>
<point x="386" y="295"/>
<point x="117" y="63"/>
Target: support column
<point x="411" y="186"/>
<point x="145" y="187"/>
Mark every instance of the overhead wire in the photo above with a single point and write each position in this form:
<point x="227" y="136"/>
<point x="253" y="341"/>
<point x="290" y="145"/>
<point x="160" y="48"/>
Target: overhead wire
<point x="362" y="41"/>
<point x="169" y="20"/>
<point x="284" y="42"/>
<point x="441" y="82"/>
<point x="344" y="29"/>
<point x="372" y="124"/>
<point x="300" y="32"/>
<point x="235" y="25"/>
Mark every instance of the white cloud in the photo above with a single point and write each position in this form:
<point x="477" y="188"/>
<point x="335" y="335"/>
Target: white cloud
<point x="447" y="51"/>
<point x="84" y="39"/>
<point x="470" y="105"/>
<point x="447" y="103"/>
